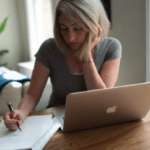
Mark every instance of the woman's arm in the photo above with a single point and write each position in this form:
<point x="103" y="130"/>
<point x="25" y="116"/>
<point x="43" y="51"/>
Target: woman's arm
<point x="105" y="79"/>
<point x="108" y="74"/>
<point x="31" y="98"/>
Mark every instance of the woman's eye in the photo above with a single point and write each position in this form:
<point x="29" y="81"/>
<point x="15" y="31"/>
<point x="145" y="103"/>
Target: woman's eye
<point x="77" y="29"/>
<point x="63" y="29"/>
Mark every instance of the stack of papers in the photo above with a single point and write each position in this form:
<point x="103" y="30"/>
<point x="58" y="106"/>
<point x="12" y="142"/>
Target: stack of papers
<point x="36" y="132"/>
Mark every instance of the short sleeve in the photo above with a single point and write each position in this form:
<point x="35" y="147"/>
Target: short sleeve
<point x="114" y="50"/>
<point x="42" y="55"/>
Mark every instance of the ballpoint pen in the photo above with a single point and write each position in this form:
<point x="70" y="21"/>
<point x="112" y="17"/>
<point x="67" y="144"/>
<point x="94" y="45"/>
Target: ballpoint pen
<point x="11" y="109"/>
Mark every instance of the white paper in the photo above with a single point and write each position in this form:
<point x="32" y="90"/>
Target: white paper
<point x="33" y="128"/>
<point x="40" y="144"/>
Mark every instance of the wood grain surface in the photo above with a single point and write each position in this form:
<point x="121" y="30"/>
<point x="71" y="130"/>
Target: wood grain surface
<point x="128" y="136"/>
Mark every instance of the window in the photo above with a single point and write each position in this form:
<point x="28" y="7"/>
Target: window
<point x="39" y="15"/>
<point x="47" y="19"/>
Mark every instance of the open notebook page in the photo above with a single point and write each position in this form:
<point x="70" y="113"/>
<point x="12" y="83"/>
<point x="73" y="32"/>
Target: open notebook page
<point x="33" y="128"/>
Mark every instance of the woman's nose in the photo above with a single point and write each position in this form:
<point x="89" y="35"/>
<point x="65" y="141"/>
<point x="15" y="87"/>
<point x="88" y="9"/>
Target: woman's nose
<point x="71" y="36"/>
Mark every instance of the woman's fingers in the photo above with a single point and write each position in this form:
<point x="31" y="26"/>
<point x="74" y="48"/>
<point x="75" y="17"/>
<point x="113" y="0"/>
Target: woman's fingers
<point x="13" y="118"/>
<point x="11" y="124"/>
<point x="95" y="41"/>
<point x="99" y="30"/>
<point x="12" y="127"/>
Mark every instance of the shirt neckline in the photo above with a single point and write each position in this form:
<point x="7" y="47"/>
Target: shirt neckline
<point x="67" y="67"/>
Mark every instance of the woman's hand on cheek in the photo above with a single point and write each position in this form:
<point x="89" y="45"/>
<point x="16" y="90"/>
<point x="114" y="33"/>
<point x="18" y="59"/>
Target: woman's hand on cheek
<point x="97" y="38"/>
<point x="94" y="42"/>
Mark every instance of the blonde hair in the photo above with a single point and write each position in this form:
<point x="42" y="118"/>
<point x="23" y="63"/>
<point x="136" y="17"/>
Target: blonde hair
<point x="89" y="14"/>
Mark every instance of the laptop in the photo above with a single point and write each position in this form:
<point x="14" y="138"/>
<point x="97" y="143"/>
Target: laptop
<point x="103" y="107"/>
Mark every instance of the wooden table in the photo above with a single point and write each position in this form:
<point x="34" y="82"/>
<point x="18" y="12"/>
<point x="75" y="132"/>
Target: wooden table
<point x="127" y="136"/>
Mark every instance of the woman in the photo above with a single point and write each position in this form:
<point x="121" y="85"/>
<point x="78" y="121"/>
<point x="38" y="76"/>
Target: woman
<point x="80" y="57"/>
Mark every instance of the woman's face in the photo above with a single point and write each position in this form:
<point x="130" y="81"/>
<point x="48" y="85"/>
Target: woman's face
<point x="72" y="33"/>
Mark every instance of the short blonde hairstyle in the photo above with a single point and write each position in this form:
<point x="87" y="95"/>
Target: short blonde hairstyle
<point x="89" y="14"/>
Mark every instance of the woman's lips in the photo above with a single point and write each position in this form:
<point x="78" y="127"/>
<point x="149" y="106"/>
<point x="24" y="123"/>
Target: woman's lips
<point x="74" y="44"/>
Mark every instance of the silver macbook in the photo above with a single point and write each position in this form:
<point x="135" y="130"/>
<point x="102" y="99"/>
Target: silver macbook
<point x="103" y="107"/>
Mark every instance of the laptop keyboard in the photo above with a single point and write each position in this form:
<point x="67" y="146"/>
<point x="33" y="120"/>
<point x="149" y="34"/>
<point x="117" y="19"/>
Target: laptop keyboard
<point x="60" y="115"/>
<point x="63" y="118"/>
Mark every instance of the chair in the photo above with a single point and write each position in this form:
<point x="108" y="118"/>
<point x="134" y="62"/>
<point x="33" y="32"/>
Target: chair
<point x="14" y="91"/>
<point x="11" y="92"/>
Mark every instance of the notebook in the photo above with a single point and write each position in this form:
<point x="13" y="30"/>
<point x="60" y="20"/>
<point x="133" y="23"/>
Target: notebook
<point x="36" y="132"/>
<point x="103" y="107"/>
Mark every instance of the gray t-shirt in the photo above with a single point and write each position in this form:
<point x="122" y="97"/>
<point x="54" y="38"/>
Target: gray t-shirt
<point x="63" y="80"/>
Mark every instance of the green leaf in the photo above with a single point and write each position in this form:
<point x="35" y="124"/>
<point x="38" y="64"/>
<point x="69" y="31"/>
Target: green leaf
<point x="2" y="52"/>
<point x="4" y="64"/>
<point x="3" y="25"/>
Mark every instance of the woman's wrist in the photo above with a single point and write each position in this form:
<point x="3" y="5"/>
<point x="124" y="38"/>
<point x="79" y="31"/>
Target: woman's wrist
<point x="87" y="61"/>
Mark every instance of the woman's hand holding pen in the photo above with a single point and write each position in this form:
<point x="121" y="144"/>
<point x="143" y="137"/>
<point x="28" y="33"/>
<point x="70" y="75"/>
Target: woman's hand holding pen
<point x="9" y="120"/>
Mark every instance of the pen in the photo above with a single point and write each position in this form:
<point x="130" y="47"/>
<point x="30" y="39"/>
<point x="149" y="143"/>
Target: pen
<point x="11" y="109"/>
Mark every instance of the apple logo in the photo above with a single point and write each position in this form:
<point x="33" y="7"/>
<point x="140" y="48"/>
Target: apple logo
<point x="111" y="109"/>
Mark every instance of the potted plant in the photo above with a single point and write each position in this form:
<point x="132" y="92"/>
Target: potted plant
<point x="2" y="28"/>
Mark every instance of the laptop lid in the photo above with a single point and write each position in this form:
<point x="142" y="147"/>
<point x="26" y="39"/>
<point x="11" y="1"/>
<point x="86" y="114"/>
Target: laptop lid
<point x="96" y="108"/>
